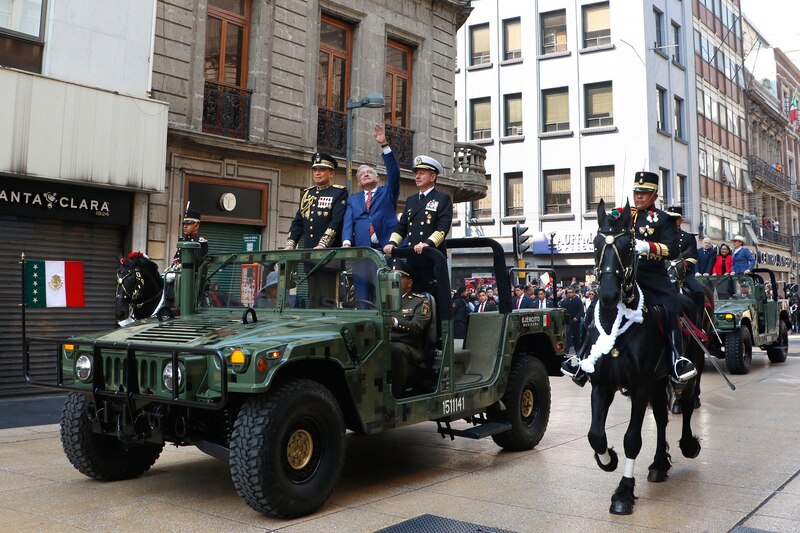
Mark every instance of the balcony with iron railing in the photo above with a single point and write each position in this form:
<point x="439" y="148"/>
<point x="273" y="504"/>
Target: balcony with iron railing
<point x="765" y="172"/>
<point x="226" y="110"/>
<point x="402" y="142"/>
<point x="469" y="172"/>
<point x="796" y="244"/>
<point x="772" y="236"/>
<point x="331" y="131"/>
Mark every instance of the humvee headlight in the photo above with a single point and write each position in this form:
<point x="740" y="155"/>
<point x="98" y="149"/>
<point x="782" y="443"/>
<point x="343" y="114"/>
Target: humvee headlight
<point x="728" y="316"/>
<point x="238" y="360"/>
<point x="169" y="379"/>
<point x="83" y="368"/>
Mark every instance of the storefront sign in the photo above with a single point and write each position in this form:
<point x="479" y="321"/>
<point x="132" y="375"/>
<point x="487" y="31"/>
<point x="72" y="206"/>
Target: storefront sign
<point x="565" y="242"/>
<point x="770" y="259"/>
<point x="48" y="199"/>
<point x="251" y="242"/>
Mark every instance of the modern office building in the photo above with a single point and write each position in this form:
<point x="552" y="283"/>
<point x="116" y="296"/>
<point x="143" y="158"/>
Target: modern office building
<point x="570" y="100"/>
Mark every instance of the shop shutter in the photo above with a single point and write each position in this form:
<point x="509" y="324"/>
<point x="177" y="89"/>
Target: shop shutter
<point x="99" y="246"/>
<point x="227" y="239"/>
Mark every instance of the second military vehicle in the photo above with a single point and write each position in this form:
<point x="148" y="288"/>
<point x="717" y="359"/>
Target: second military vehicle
<point x="747" y="313"/>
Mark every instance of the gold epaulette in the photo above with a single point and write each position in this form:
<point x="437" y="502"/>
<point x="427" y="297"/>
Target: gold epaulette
<point x="337" y="186"/>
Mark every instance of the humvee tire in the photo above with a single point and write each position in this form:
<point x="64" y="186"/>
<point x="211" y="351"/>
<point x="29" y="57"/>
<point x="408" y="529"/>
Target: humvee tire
<point x="287" y="449"/>
<point x="102" y="457"/>
<point x="738" y="351"/>
<point x="777" y="352"/>
<point x="527" y="402"/>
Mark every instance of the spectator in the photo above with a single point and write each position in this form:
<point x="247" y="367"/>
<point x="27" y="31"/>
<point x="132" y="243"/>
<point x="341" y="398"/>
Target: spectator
<point x="484" y="304"/>
<point x="743" y="260"/>
<point x="573" y="307"/>
<point x="542" y="301"/>
<point x="724" y="261"/>
<point x="460" y="313"/>
<point x="706" y="256"/>
<point x="520" y="300"/>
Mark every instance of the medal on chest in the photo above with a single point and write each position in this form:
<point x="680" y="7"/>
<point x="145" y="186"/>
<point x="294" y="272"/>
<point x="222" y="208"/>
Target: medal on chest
<point x="324" y="202"/>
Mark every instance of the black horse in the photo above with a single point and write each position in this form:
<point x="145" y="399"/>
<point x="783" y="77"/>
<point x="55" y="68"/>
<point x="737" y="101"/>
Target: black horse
<point x="627" y="356"/>
<point x="139" y="287"/>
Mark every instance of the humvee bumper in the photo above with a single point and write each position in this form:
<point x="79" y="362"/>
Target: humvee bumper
<point x="136" y="373"/>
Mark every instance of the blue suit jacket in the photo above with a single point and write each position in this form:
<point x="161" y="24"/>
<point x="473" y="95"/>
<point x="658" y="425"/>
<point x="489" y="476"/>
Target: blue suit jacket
<point x="527" y="303"/>
<point x="382" y="213"/>
<point x="743" y="260"/>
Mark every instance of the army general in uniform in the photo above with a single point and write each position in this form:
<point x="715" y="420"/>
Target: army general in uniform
<point x="320" y="216"/>
<point x="409" y="331"/>
<point x="426" y="219"/>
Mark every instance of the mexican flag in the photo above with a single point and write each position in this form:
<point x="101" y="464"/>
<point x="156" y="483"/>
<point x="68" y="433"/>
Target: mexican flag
<point x="793" y="109"/>
<point x="54" y="284"/>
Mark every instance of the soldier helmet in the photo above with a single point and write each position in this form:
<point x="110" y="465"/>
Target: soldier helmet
<point x="645" y="182"/>
<point x="402" y="267"/>
<point x="323" y="160"/>
<point x="423" y="162"/>
<point x="191" y="217"/>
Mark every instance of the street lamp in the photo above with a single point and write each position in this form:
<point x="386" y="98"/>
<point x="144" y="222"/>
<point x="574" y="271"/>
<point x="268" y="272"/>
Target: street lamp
<point x="372" y="100"/>
<point x="552" y="250"/>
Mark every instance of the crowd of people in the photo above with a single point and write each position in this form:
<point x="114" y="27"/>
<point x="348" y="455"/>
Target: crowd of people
<point x="576" y="298"/>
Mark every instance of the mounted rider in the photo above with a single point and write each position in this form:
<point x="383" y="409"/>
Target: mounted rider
<point x="657" y="240"/>
<point x="687" y="250"/>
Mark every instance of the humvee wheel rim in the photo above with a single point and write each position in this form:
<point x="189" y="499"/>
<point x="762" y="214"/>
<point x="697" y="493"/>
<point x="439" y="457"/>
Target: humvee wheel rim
<point x="526" y="403"/>
<point x="300" y="449"/>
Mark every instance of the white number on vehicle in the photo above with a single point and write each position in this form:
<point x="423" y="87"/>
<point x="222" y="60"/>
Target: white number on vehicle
<point x="452" y="405"/>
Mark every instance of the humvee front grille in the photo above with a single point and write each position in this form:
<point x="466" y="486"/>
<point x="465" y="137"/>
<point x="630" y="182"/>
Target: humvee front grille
<point x="114" y="372"/>
<point x="174" y="332"/>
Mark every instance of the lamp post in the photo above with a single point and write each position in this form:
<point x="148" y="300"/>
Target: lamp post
<point x="372" y="100"/>
<point x="552" y="250"/>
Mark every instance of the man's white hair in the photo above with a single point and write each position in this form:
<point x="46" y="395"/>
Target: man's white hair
<point x="363" y="168"/>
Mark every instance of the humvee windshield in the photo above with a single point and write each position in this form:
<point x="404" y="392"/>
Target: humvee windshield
<point x="730" y="287"/>
<point x="327" y="282"/>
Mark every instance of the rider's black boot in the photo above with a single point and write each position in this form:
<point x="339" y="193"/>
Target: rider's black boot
<point x="682" y="369"/>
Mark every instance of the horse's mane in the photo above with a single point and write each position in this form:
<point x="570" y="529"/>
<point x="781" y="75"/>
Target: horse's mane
<point x="141" y="260"/>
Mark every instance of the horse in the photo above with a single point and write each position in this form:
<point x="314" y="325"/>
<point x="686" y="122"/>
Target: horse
<point x="139" y="287"/>
<point x="626" y="356"/>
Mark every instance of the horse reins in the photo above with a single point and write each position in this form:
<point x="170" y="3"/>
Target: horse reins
<point x="133" y="295"/>
<point x="628" y="272"/>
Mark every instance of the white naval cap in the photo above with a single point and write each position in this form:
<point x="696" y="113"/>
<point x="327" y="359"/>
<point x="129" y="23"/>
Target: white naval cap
<point x="427" y="163"/>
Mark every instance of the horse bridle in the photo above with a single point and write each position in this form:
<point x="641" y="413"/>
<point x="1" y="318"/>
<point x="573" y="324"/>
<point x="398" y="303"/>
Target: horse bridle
<point x="134" y="294"/>
<point x="628" y="273"/>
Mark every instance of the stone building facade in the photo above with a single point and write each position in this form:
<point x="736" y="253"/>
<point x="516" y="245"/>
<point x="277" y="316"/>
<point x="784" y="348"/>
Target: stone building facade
<point x="255" y="87"/>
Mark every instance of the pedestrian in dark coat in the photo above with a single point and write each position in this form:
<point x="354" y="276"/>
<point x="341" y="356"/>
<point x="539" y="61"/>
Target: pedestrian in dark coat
<point x="706" y="255"/>
<point x="460" y="313"/>
<point x="573" y="315"/>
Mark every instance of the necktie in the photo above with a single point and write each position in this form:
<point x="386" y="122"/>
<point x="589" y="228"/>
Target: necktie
<point x="481" y="310"/>
<point x="368" y="202"/>
<point x="421" y="196"/>
<point x="519" y="302"/>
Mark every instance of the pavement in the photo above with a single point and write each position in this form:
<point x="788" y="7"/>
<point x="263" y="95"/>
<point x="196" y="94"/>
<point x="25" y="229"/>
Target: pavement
<point x="746" y="478"/>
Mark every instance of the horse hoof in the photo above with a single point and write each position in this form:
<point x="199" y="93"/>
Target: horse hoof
<point x="697" y="403"/>
<point x="623" y="508"/>
<point x="690" y="447"/>
<point x="676" y="408"/>
<point x="656" y="476"/>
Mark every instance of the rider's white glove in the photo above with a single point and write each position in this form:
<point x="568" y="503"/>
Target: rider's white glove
<point x="170" y="277"/>
<point x="642" y="247"/>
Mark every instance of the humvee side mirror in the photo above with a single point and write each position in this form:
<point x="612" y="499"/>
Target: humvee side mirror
<point x="393" y="290"/>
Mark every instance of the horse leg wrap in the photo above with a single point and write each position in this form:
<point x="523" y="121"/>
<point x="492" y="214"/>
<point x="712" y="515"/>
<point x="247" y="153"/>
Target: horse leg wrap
<point x="628" y="471"/>
<point x="608" y="461"/>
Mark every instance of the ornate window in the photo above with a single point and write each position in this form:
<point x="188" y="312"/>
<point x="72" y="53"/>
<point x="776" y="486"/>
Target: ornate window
<point x="333" y="83"/>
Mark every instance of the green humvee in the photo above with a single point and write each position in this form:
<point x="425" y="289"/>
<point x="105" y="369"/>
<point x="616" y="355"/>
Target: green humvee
<point x="270" y="382"/>
<point x="746" y="314"/>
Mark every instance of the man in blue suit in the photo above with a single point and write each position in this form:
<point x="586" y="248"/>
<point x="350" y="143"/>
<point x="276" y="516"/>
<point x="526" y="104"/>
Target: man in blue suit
<point x="743" y="260"/>
<point x="372" y="214"/>
<point x="520" y="300"/>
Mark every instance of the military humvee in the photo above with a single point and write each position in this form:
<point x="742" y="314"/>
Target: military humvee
<point x="270" y="382"/>
<point x="746" y="314"/>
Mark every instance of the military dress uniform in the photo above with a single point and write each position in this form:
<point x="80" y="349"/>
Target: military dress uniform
<point x="320" y="216"/>
<point x="408" y="338"/>
<point x="426" y="218"/>
<point x="687" y="250"/>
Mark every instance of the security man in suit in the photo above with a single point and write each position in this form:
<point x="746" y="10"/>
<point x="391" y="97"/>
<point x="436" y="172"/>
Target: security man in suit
<point x="320" y="216"/>
<point x="521" y="301"/>
<point x="372" y="215"/>
<point x="426" y="219"/>
<point x="687" y="249"/>
<point x="656" y="241"/>
<point x="409" y="330"/>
